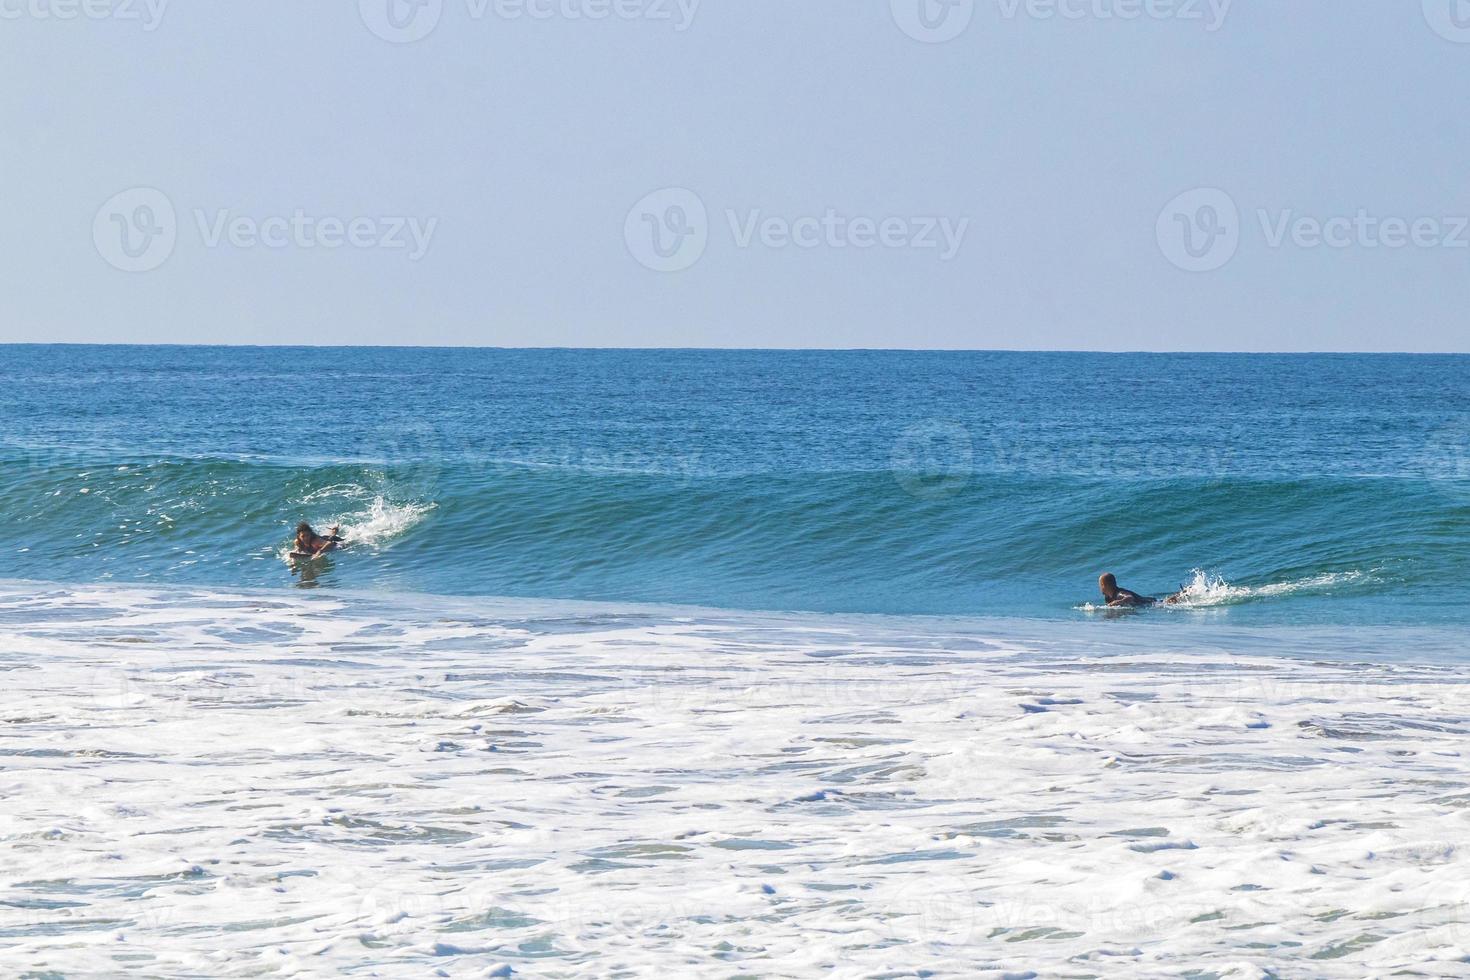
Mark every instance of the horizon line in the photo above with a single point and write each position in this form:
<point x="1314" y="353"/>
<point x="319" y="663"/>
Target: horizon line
<point x="755" y="350"/>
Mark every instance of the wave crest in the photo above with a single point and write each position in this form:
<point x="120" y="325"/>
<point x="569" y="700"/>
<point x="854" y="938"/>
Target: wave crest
<point x="1206" y="589"/>
<point x="375" y="526"/>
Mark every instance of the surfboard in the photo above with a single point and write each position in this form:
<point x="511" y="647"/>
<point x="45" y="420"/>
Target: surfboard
<point x="309" y="555"/>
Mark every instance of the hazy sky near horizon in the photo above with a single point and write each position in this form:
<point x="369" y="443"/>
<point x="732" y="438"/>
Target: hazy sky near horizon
<point x="1052" y="174"/>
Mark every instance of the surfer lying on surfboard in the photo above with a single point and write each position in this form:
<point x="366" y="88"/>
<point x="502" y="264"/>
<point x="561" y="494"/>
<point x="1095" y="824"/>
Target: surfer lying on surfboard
<point x="1117" y="596"/>
<point x="309" y="544"/>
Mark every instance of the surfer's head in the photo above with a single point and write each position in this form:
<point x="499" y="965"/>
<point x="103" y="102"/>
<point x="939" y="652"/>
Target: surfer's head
<point x="304" y="528"/>
<point x="1108" y="584"/>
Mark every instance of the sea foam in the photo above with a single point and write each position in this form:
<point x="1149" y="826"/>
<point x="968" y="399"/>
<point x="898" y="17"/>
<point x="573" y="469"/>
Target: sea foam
<point x="1206" y="589"/>
<point x="373" y="525"/>
<point x="247" y="783"/>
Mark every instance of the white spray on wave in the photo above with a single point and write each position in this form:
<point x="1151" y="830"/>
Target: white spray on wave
<point x="374" y="525"/>
<point x="1206" y="589"/>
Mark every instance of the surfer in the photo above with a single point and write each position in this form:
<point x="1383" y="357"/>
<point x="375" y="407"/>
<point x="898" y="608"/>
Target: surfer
<point x="1120" y="597"/>
<point x="309" y="544"/>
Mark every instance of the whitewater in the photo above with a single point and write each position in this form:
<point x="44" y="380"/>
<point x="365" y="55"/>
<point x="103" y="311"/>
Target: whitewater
<point x="249" y="783"/>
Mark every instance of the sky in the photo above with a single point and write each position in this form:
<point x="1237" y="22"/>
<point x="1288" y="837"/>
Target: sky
<point x="1033" y="174"/>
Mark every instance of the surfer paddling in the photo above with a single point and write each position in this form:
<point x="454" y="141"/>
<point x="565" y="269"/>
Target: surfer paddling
<point x="1119" y="597"/>
<point x="309" y="544"/>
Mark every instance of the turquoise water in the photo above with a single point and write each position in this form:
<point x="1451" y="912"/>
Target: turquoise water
<point x="1302" y="489"/>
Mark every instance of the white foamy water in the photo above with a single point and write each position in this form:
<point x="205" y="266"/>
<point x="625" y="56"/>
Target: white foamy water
<point x="1207" y="589"/>
<point x="294" y="784"/>
<point x="381" y="521"/>
<point x="374" y="525"/>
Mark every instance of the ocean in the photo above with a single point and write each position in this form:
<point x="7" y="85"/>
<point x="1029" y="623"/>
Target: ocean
<point x="1310" y="490"/>
<point x="728" y="664"/>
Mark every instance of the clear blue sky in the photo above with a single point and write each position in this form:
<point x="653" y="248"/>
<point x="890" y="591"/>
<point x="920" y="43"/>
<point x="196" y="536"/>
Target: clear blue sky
<point x="520" y="145"/>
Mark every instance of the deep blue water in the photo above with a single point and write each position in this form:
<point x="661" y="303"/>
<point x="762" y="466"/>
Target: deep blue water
<point x="1323" y="489"/>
